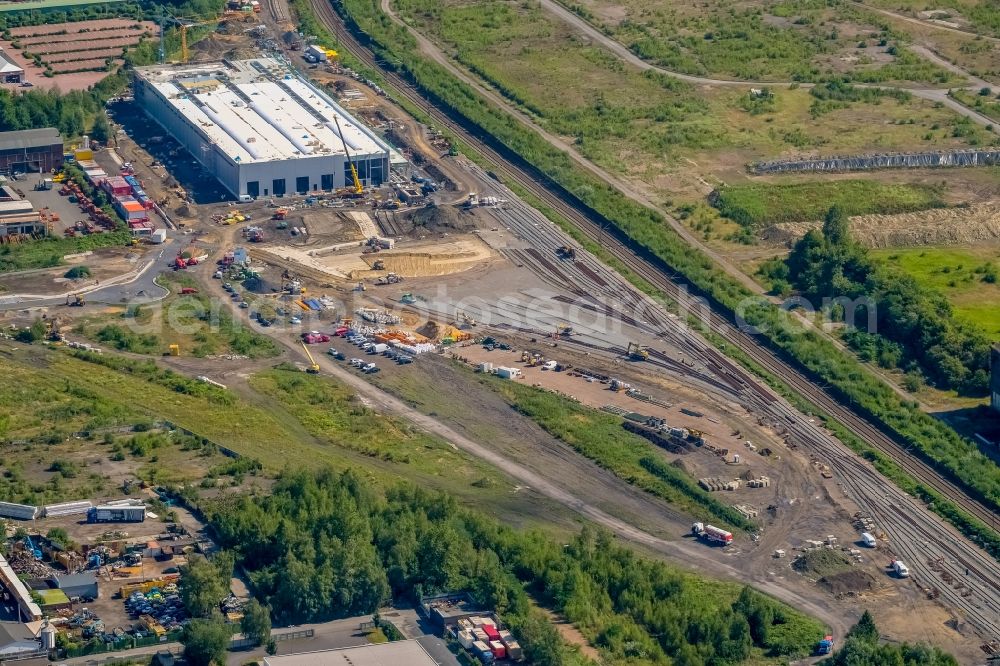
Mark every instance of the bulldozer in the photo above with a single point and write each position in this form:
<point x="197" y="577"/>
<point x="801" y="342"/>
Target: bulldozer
<point x="637" y="352"/>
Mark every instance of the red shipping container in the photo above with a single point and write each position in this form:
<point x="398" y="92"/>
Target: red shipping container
<point x="491" y="632"/>
<point x="499" y="651"/>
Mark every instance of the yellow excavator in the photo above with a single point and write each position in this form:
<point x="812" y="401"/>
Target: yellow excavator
<point x="313" y="367"/>
<point x="359" y="189"/>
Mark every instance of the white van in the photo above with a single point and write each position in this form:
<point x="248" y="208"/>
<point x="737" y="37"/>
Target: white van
<point x="245" y="198"/>
<point x="868" y="540"/>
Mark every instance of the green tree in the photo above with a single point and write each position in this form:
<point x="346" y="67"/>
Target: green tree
<point x="202" y="587"/>
<point x="256" y="622"/>
<point x="101" y="131"/>
<point x="865" y="630"/>
<point x="58" y="536"/>
<point x="836" y="226"/>
<point x="206" y="641"/>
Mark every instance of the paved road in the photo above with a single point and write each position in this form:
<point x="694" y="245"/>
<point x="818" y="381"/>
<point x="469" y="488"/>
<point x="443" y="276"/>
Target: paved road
<point x="137" y="286"/>
<point x="923" y="23"/>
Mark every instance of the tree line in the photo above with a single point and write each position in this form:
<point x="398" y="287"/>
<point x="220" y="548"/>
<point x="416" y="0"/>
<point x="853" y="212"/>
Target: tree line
<point x="326" y="545"/>
<point x="914" y="327"/>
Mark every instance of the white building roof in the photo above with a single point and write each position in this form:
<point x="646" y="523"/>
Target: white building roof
<point x="8" y="66"/>
<point x="257" y="111"/>
<point x="397" y="653"/>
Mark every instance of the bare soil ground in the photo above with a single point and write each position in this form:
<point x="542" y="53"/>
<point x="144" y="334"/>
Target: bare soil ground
<point x="946" y="226"/>
<point x="86" y="43"/>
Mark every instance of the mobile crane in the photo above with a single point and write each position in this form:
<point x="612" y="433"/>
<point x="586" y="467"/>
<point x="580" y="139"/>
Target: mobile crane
<point x="359" y="189"/>
<point x="313" y="367"/>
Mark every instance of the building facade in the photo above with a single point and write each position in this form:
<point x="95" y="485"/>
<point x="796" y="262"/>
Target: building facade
<point x="30" y="151"/>
<point x="260" y="129"/>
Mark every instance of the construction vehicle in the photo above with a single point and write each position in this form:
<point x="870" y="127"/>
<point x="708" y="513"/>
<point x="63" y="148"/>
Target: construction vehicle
<point x="359" y="189"/>
<point x="174" y="350"/>
<point x="76" y="300"/>
<point x="712" y="534"/>
<point x="54" y="326"/>
<point x="825" y="646"/>
<point x="280" y="214"/>
<point x="407" y="298"/>
<point x="563" y="329"/>
<point x="391" y="278"/>
<point x="566" y="252"/>
<point x="32" y="548"/>
<point x="378" y="265"/>
<point x="313" y="367"/>
<point x="637" y="352"/>
<point x="467" y="320"/>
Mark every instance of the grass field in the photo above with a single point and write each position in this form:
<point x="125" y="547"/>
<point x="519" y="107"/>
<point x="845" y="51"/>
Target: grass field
<point x="50" y="251"/>
<point x="651" y="127"/>
<point x="961" y="275"/>
<point x="981" y="15"/>
<point x="763" y="204"/>
<point x="200" y="326"/>
<point x="763" y="40"/>
<point x="988" y="105"/>
<point x="280" y="417"/>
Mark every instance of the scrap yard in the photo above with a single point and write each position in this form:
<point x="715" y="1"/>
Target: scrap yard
<point x="282" y="213"/>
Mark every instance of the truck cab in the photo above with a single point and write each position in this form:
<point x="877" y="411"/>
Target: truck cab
<point x="825" y="646"/>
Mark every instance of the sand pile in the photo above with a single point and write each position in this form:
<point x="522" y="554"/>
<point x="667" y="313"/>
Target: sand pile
<point x="961" y="225"/>
<point x="433" y="259"/>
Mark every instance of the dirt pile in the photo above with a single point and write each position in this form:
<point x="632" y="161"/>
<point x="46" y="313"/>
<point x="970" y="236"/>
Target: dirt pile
<point x="960" y="225"/>
<point x="849" y="583"/>
<point x="433" y="217"/>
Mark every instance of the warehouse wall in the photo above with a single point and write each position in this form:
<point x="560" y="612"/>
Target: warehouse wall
<point x="240" y="178"/>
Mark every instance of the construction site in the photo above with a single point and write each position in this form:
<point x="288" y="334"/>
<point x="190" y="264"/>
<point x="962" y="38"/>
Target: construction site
<point x="316" y="213"/>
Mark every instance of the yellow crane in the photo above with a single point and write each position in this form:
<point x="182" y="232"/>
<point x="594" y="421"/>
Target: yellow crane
<point x="184" y="34"/>
<point x="313" y="367"/>
<point x="358" y="188"/>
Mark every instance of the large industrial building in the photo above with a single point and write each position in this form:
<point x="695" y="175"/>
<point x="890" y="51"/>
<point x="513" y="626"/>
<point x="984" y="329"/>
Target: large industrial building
<point x="259" y="128"/>
<point x="30" y="151"/>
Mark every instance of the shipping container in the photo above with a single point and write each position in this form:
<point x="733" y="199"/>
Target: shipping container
<point x="491" y="632"/>
<point x="116" y="514"/>
<point x="66" y="508"/>
<point x="499" y="651"/>
<point x="479" y="634"/>
<point x="465" y="638"/>
<point x="19" y="511"/>
<point x="514" y="650"/>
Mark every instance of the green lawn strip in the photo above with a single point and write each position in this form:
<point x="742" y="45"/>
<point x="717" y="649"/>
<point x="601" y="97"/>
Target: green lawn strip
<point x="968" y="278"/>
<point x="49" y="252"/>
<point x="761" y="204"/>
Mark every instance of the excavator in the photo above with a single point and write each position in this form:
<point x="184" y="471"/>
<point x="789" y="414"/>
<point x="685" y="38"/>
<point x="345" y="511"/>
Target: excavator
<point x="313" y="367"/>
<point x="637" y="352"/>
<point x="358" y="190"/>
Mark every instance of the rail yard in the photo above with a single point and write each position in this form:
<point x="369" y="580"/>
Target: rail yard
<point x="294" y="201"/>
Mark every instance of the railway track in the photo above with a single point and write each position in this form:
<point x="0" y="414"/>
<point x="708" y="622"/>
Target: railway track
<point x="512" y="167"/>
